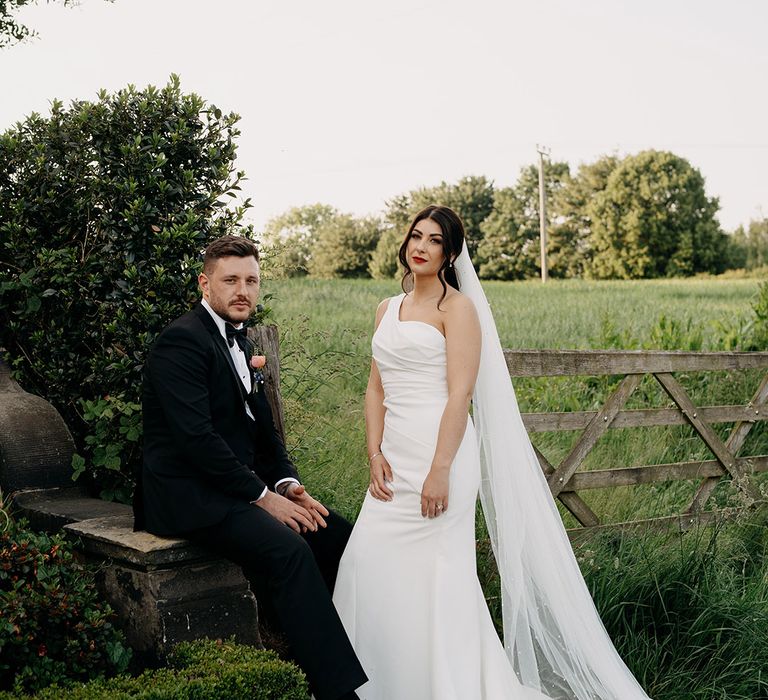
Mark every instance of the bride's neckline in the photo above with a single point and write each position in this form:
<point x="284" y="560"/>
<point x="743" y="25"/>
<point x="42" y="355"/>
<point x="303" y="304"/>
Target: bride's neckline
<point x="423" y="323"/>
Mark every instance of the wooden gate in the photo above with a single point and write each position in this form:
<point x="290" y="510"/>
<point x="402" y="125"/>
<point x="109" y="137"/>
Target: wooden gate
<point x="565" y="481"/>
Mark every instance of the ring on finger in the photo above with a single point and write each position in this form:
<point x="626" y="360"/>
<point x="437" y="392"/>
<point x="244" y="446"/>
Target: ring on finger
<point x="439" y="506"/>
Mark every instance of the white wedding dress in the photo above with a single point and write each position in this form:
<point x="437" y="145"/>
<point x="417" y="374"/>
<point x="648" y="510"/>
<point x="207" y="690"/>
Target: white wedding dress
<point x="407" y="589"/>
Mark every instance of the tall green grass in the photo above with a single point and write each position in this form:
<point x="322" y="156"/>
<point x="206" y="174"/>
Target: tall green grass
<point x="325" y="334"/>
<point x="688" y="612"/>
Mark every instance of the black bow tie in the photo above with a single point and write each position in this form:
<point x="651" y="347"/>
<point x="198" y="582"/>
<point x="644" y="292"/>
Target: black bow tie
<point x="237" y="334"/>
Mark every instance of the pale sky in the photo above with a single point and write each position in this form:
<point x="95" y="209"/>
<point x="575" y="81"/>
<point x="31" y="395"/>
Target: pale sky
<point x="349" y="102"/>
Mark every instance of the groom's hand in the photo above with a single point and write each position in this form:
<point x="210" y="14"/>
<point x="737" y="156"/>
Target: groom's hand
<point x="287" y="511"/>
<point x="298" y="494"/>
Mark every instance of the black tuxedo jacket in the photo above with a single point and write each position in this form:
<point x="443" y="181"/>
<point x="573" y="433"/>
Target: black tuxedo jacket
<point x="202" y="452"/>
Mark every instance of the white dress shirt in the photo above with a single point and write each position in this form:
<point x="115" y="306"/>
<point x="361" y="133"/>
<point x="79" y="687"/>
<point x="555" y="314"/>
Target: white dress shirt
<point x="241" y="365"/>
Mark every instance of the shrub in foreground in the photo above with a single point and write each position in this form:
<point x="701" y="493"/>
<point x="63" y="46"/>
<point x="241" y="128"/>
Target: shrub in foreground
<point x="200" y="670"/>
<point x="53" y="625"/>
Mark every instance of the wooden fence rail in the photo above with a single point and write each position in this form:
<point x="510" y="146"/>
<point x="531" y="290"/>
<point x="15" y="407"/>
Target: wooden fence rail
<point x="566" y="481"/>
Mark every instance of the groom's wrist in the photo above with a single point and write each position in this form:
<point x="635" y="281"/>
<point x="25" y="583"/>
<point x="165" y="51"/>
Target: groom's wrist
<point x="263" y="493"/>
<point x="282" y="486"/>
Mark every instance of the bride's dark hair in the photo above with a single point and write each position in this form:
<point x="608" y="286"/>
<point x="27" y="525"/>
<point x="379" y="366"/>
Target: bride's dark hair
<point x="453" y="238"/>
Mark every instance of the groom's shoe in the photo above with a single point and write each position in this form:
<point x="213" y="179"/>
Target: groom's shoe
<point x="350" y="696"/>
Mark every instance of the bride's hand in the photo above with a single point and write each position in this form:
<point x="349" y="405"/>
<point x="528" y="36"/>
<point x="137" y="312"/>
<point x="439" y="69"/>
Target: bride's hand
<point x="434" y="493"/>
<point x="381" y="473"/>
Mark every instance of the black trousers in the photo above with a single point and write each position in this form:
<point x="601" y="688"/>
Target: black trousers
<point x="296" y="573"/>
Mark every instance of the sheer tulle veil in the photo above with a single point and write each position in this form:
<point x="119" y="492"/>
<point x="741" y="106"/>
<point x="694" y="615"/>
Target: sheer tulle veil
<point x="553" y="634"/>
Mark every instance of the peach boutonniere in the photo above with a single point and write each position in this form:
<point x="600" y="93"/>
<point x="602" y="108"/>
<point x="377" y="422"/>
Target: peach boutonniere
<point x="258" y="363"/>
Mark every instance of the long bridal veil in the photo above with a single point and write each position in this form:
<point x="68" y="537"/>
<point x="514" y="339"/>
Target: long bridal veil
<point x="553" y="634"/>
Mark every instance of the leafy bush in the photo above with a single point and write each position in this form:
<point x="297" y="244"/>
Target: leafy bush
<point x="201" y="670"/>
<point x="53" y="626"/>
<point x="105" y="207"/>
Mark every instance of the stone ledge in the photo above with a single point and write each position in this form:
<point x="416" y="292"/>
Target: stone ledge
<point x="52" y="509"/>
<point x="106" y="528"/>
<point x="159" y="607"/>
<point x="113" y="537"/>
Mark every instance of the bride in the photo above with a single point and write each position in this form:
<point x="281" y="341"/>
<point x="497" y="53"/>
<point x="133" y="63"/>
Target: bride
<point x="407" y="589"/>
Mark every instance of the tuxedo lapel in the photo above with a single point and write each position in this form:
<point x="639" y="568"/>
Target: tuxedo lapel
<point x="221" y="347"/>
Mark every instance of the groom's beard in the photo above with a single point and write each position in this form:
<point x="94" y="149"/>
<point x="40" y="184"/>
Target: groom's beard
<point x="225" y="309"/>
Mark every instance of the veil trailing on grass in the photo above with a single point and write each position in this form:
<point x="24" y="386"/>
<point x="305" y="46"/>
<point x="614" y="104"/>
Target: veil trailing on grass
<point x="553" y="634"/>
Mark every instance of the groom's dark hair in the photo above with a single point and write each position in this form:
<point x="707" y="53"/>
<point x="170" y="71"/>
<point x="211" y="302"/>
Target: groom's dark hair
<point x="227" y="246"/>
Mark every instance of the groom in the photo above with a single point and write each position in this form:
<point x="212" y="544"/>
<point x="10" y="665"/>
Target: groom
<point x="216" y="471"/>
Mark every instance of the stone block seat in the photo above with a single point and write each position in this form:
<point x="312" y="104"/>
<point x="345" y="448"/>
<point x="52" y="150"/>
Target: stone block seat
<point x="163" y="590"/>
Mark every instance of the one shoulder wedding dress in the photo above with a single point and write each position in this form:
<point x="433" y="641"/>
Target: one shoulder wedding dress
<point x="407" y="589"/>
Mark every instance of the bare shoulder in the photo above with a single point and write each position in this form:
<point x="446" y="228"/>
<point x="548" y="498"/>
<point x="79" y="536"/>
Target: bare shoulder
<point x="383" y="304"/>
<point x="459" y="307"/>
<point x="462" y="327"/>
<point x="381" y="310"/>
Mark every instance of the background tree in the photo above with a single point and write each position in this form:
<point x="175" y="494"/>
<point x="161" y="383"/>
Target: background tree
<point x="290" y="237"/>
<point x="399" y="213"/>
<point x="510" y="247"/>
<point x="471" y="197"/>
<point x="13" y="32"/>
<point x="344" y="246"/>
<point x="654" y="219"/>
<point x="105" y="208"/>
<point x="737" y="249"/>
<point x="569" y="235"/>
<point x="384" y="263"/>
<point x="505" y="250"/>
<point x="750" y="247"/>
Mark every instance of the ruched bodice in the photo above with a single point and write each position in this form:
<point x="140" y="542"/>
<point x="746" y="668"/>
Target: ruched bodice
<point x="410" y="356"/>
<point x="411" y="359"/>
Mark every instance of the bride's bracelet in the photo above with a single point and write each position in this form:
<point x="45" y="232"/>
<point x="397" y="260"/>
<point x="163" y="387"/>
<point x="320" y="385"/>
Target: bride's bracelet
<point x="373" y="456"/>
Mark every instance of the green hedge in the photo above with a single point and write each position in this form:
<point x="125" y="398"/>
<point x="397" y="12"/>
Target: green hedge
<point x="54" y="626"/>
<point x="201" y="670"/>
<point x="105" y="207"/>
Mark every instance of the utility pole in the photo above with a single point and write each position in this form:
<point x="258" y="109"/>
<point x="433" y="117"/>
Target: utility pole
<point x="543" y="151"/>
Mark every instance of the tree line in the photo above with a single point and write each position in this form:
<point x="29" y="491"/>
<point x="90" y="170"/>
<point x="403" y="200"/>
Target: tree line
<point x="642" y="216"/>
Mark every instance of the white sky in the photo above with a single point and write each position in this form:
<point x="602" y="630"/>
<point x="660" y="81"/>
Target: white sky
<point x="349" y="102"/>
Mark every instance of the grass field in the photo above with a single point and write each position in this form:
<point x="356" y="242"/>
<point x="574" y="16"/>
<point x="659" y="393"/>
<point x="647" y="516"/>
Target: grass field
<point x="560" y="314"/>
<point x="326" y="328"/>
<point x="689" y="613"/>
